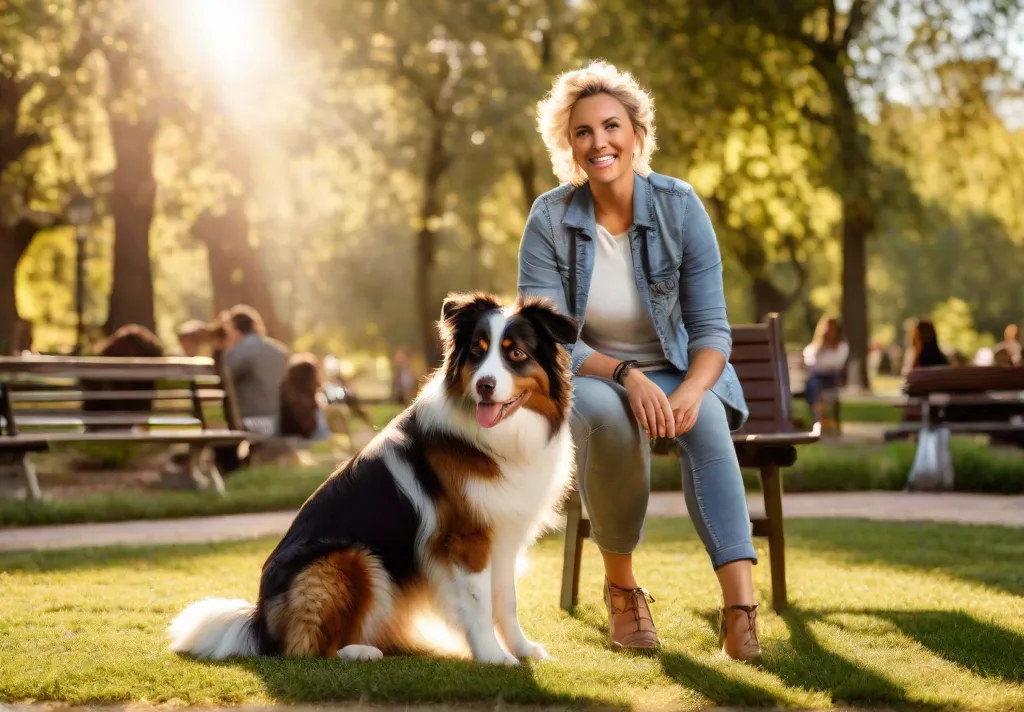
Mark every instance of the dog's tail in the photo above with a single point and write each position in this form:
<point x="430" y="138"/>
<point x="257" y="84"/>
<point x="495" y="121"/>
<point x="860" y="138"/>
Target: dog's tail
<point x="216" y="628"/>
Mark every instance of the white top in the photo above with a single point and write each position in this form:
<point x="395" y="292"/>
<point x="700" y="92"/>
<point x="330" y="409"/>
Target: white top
<point x="616" y="323"/>
<point x="826" y="359"/>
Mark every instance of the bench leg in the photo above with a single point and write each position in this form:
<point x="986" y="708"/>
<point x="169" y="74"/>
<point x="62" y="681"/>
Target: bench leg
<point x="932" y="470"/>
<point x="575" y="532"/>
<point x="771" y="485"/>
<point x="218" y="481"/>
<point x="195" y="472"/>
<point x="28" y="470"/>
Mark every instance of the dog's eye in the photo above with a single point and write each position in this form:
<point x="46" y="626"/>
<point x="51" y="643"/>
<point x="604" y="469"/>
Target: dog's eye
<point x="516" y="355"/>
<point x="476" y="352"/>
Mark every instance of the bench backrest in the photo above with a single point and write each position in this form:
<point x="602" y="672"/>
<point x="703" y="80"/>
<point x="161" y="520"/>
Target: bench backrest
<point x="963" y="379"/>
<point x="759" y="357"/>
<point x="44" y="393"/>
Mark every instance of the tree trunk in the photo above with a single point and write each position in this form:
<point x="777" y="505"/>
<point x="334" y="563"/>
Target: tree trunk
<point x="858" y="217"/>
<point x="237" y="273"/>
<point x="526" y="167"/>
<point x="8" y="302"/>
<point x="132" y="205"/>
<point x="768" y="298"/>
<point x="14" y="242"/>
<point x="438" y="162"/>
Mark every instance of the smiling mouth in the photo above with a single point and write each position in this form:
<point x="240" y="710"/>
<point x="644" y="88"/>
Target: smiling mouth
<point x="602" y="161"/>
<point x="490" y="414"/>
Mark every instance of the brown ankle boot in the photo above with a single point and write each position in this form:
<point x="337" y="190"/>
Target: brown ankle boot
<point x="738" y="632"/>
<point x="630" y="624"/>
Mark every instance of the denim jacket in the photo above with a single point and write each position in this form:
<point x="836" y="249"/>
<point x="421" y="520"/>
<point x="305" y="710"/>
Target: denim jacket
<point x="676" y="263"/>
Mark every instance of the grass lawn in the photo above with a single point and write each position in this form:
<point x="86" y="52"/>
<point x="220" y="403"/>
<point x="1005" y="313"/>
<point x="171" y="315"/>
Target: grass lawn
<point x="257" y="490"/>
<point x="927" y="616"/>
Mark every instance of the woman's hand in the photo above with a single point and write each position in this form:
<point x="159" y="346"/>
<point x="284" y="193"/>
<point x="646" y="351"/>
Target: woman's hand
<point x="650" y="405"/>
<point x="685" y="403"/>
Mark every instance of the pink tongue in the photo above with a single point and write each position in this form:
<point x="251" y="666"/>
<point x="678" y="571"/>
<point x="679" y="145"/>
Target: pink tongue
<point x="487" y="414"/>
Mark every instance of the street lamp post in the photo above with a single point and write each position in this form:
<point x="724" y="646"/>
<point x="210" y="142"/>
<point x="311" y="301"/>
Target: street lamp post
<point x="80" y="215"/>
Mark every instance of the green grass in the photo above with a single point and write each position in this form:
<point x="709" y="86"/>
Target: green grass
<point x="925" y="616"/>
<point x="257" y="490"/>
<point x="852" y="412"/>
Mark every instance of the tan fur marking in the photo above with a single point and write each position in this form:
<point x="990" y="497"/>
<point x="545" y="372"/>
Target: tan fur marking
<point x="537" y="382"/>
<point x="460" y="539"/>
<point x="326" y="605"/>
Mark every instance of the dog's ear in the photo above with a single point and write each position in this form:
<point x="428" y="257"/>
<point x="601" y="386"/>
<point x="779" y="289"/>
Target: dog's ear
<point x="454" y="303"/>
<point x="463" y="308"/>
<point x="457" y="304"/>
<point x="546" y="319"/>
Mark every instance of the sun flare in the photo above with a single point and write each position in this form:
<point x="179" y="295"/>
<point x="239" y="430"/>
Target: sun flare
<point x="234" y="36"/>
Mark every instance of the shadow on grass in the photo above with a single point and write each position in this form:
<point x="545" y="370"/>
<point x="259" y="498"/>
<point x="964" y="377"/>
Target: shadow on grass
<point x="985" y="649"/>
<point x="806" y="663"/>
<point x="407" y="679"/>
<point x="684" y="669"/>
<point x="988" y="555"/>
<point x="714" y="684"/>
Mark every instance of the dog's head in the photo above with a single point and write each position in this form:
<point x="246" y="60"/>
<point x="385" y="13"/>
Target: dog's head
<point x="499" y="360"/>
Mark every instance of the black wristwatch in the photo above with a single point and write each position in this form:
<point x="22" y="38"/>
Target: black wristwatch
<point x="622" y="369"/>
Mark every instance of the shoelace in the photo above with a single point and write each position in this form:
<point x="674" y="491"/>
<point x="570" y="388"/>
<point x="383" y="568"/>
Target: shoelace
<point x="751" y="612"/>
<point x="630" y="594"/>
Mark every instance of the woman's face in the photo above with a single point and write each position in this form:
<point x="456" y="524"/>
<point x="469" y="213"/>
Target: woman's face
<point x="602" y="138"/>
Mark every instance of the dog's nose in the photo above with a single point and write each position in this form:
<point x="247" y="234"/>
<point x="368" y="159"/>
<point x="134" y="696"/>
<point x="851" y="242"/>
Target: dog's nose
<point x="485" y="386"/>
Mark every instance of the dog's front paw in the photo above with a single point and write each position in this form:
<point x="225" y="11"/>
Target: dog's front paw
<point x="533" y="651"/>
<point x="496" y="657"/>
<point x="360" y="652"/>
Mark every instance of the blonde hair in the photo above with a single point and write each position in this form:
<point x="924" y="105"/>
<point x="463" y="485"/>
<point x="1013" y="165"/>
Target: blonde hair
<point x="598" y="77"/>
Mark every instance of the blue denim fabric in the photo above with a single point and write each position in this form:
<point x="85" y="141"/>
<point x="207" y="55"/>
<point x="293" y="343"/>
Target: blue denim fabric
<point x="613" y="470"/>
<point x="677" y="264"/>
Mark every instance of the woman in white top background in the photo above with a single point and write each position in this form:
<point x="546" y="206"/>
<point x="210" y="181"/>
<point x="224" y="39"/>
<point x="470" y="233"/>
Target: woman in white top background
<point x="825" y="358"/>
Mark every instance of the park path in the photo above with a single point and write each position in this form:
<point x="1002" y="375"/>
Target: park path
<point x="955" y="508"/>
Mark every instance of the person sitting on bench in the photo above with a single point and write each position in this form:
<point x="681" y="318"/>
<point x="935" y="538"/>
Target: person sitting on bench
<point x="256" y="365"/>
<point x="825" y="358"/>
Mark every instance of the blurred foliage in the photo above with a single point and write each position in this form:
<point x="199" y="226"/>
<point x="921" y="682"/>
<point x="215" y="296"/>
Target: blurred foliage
<point x="385" y="151"/>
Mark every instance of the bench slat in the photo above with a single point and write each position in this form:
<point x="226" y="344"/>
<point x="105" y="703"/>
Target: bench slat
<point x="102" y="419"/>
<point x="16" y="368"/>
<point x="964" y="379"/>
<point x="35" y="440"/>
<point x="761" y="391"/>
<point x="76" y="395"/>
<point x="761" y="371"/>
<point x="749" y="334"/>
<point x="747" y="353"/>
<point x="980" y="428"/>
<point x="775" y="439"/>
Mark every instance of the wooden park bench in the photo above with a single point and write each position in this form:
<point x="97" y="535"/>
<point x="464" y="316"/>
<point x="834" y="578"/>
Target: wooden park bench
<point x="946" y="400"/>
<point x="767" y="441"/>
<point x="46" y="400"/>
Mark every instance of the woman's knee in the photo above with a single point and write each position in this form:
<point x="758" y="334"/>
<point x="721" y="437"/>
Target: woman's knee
<point x="710" y="434"/>
<point x="601" y="413"/>
<point x="612" y="464"/>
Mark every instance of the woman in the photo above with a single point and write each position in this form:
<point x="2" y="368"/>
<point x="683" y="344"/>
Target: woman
<point x="302" y="400"/>
<point x="825" y="359"/>
<point x="925" y="351"/>
<point x="632" y="256"/>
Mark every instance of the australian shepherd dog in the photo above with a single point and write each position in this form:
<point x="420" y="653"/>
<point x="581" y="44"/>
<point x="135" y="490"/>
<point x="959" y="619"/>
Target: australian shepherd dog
<point x="432" y="512"/>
